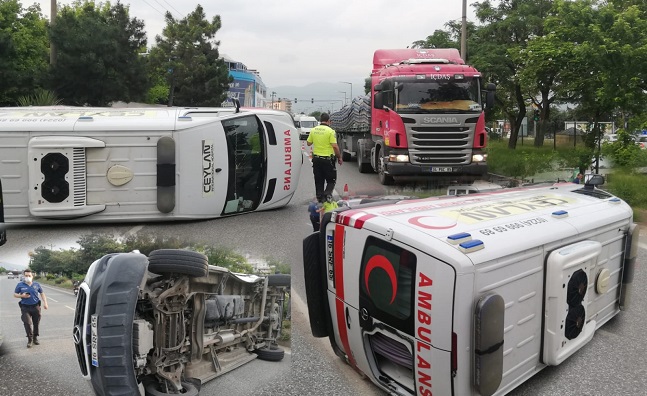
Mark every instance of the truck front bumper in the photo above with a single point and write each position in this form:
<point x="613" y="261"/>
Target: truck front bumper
<point x="406" y="169"/>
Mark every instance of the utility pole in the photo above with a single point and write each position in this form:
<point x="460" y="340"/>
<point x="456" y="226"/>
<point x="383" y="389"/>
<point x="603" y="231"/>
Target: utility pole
<point x="464" y="33"/>
<point x="52" y="47"/>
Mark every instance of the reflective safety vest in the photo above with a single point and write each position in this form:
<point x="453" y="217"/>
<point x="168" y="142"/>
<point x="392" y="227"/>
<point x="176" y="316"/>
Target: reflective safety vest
<point x="322" y="137"/>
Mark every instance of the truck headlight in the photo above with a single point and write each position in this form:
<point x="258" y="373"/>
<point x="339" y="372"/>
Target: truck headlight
<point x="479" y="157"/>
<point x="398" y="158"/>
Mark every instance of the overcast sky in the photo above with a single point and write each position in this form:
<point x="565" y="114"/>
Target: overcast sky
<point x="295" y="43"/>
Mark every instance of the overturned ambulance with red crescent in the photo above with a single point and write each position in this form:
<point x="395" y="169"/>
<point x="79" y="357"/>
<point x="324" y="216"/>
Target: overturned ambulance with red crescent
<point x="469" y="295"/>
<point x="82" y="164"/>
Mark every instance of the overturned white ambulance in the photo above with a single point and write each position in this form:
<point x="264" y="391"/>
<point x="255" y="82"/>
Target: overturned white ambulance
<point x="126" y="164"/>
<point x="469" y="295"/>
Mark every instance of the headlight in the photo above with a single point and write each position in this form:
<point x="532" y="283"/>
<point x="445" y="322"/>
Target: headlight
<point x="399" y="158"/>
<point x="479" y="157"/>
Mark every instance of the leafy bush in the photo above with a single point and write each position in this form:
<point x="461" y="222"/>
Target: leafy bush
<point x="40" y="97"/>
<point x="58" y="281"/>
<point x="50" y="276"/>
<point x="521" y="162"/>
<point x="630" y="187"/>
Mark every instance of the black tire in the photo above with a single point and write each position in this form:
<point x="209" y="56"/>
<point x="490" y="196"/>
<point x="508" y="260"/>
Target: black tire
<point x="346" y="156"/>
<point x="386" y="180"/>
<point x="176" y="261"/>
<point x="269" y="354"/>
<point x="315" y="290"/>
<point x="150" y="389"/>
<point x="362" y="166"/>
<point x="114" y="290"/>
<point x="279" y="280"/>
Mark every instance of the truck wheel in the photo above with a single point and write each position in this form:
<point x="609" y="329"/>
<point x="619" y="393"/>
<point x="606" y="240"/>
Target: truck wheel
<point x="385" y="179"/>
<point x="269" y="354"/>
<point x="279" y="280"/>
<point x="176" y="261"/>
<point x="362" y="166"/>
<point x="345" y="155"/>
<point x="151" y="389"/>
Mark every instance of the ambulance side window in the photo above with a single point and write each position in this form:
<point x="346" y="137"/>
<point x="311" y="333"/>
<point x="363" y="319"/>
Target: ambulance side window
<point x="387" y="282"/>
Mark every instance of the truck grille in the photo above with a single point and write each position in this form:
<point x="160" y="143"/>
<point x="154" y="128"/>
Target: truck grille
<point x="79" y="331"/>
<point x="440" y="144"/>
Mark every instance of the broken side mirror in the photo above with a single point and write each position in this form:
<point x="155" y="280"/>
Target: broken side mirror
<point x="592" y="180"/>
<point x="489" y="95"/>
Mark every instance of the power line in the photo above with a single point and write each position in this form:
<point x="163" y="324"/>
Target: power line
<point x="160" y="12"/>
<point x="170" y="5"/>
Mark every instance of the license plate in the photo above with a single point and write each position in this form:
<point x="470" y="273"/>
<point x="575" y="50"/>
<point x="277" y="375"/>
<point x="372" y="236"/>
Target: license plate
<point x="442" y="169"/>
<point x="93" y="332"/>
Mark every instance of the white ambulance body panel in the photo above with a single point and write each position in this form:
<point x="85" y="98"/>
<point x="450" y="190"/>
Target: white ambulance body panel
<point x="144" y="164"/>
<point x="516" y="280"/>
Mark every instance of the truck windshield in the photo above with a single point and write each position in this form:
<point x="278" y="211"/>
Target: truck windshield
<point x="247" y="169"/>
<point x="438" y="96"/>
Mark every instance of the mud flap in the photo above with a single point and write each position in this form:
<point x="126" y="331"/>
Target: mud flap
<point x="628" y="266"/>
<point x="165" y="174"/>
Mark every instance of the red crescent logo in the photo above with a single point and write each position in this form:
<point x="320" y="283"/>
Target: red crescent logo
<point x="379" y="261"/>
<point x="416" y="221"/>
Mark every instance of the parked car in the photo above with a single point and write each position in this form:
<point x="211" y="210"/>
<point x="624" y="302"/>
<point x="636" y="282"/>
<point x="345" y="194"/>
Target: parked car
<point x="169" y="322"/>
<point x="641" y="141"/>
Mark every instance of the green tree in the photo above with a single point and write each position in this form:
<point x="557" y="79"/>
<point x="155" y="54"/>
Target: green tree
<point x="98" y="61"/>
<point x="226" y="258"/>
<point x="315" y="114"/>
<point x="496" y="51"/>
<point x="93" y="247"/>
<point x="146" y="242"/>
<point x="40" y="259"/>
<point x="186" y="56"/>
<point x="24" y="53"/>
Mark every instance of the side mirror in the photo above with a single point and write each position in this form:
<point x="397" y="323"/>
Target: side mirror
<point x="593" y="180"/>
<point x="489" y="95"/>
<point x="378" y="101"/>
<point x="377" y="87"/>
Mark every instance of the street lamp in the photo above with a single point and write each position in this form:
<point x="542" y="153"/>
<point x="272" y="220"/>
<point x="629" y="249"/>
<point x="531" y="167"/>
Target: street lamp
<point x="273" y="95"/>
<point x="344" y="92"/>
<point x="351" y="89"/>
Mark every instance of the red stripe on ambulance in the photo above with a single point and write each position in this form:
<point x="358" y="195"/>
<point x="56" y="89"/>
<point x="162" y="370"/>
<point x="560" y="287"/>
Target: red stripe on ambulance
<point x="354" y="218"/>
<point x="339" y="287"/>
<point x="423" y="335"/>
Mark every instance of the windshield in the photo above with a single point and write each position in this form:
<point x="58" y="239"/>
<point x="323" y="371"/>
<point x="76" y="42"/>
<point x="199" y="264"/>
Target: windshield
<point x="438" y="96"/>
<point x="246" y="151"/>
<point x="308" y="124"/>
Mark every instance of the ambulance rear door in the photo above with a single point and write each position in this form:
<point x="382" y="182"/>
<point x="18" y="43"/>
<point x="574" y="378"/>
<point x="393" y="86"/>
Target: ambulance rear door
<point x="392" y="308"/>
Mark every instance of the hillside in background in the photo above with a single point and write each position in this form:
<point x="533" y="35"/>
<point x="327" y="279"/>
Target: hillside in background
<point x="327" y="96"/>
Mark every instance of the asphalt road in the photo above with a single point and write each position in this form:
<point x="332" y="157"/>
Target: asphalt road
<point x="613" y="363"/>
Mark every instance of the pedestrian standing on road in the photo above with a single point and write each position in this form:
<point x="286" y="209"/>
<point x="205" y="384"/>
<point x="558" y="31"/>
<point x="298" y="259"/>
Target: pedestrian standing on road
<point x="325" y="153"/>
<point x="31" y="295"/>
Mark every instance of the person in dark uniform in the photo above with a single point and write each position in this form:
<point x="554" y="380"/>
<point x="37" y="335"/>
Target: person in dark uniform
<point x="325" y="153"/>
<point x="30" y="294"/>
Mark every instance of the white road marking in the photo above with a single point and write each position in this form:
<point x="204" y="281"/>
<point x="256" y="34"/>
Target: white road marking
<point x="70" y="308"/>
<point x="52" y="299"/>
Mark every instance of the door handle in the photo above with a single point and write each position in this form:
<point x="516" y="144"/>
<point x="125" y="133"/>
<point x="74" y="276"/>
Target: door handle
<point x="218" y="170"/>
<point x="347" y="318"/>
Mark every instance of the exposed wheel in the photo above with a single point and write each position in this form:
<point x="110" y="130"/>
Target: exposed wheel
<point x="279" y="280"/>
<point x="315" y="289"/>
<point x="151" y="389"/>
<point x="362" y="166"/>
<point x="184" y="262"/>
<point x="270" y="354"/>
<point x="385" y="179"/>
<point x="345" y="155"/>
<point x="116" y="284"/>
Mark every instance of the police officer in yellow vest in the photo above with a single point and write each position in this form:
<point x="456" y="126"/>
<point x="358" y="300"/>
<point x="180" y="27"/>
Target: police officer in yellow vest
<point x="325" y="152"/>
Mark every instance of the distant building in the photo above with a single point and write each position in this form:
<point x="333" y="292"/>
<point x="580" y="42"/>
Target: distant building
<point x="281" y="104"/>
<point x="247" y="87"/>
